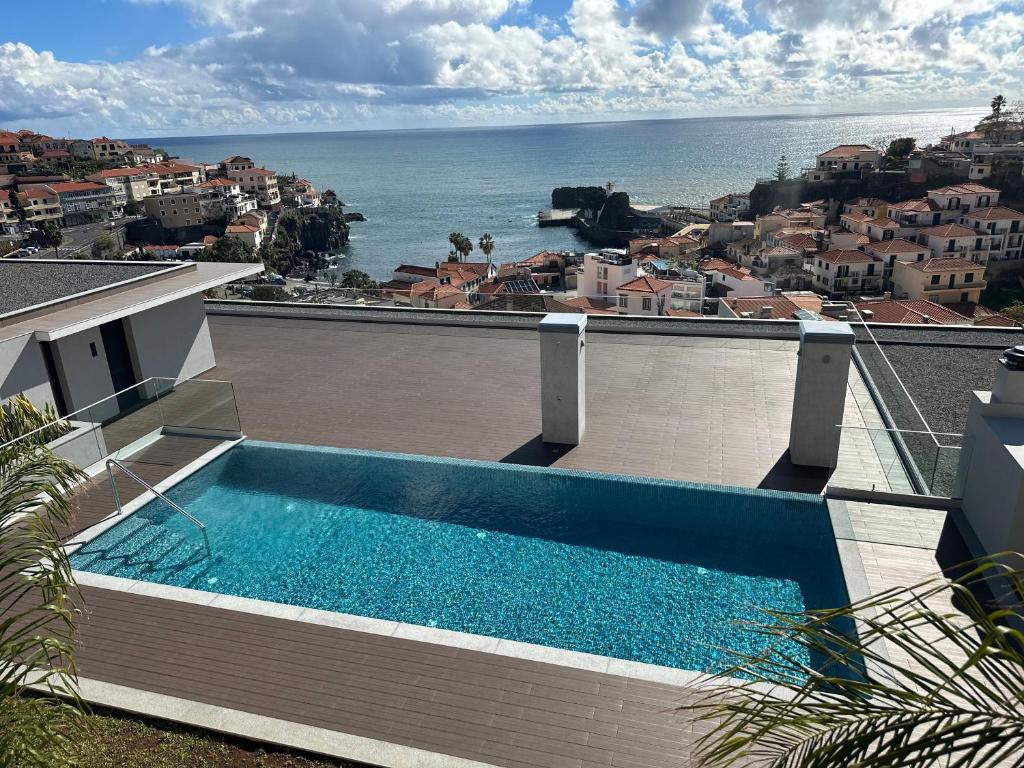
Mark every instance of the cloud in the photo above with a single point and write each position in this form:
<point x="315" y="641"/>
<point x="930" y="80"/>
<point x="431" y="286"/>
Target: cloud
<point x="303" y="64"/>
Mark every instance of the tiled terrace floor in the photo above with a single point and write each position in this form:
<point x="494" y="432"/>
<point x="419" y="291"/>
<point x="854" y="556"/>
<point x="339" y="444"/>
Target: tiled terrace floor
<point x="686" y="408"/>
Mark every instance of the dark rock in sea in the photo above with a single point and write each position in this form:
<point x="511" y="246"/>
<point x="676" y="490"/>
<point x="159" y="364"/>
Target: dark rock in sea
<point x="354" y="216"/>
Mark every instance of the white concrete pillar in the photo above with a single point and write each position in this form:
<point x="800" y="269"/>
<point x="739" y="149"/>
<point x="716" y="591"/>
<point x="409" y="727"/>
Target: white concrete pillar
<point x="563" y="383"/>
<point x="991" y="472"/>
<point x="822" y="373"/>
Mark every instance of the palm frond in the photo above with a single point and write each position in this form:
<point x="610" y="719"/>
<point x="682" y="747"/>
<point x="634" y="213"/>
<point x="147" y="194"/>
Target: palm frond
<point x="902" y="679"/>
<point x="36" y="587"/>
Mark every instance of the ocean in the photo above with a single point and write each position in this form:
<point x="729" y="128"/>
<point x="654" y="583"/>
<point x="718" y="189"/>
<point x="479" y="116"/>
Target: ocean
<point x="414" y="187"/>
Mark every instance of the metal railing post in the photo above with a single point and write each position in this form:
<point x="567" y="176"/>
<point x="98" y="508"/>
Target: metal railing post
<point x="144" y="484"/>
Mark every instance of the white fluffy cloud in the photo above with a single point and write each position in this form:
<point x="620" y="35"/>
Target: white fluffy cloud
<point x="269" y="64"/>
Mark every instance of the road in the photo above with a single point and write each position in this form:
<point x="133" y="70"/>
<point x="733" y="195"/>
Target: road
<point x="81" y="237"/>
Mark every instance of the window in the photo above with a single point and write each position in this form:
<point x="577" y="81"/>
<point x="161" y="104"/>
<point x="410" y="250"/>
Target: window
<point x="622" y="301"/>
<point x="646" y="303"/>
<point x="977" y="244"/>
<point x="935" y="279"/>
<point x="969" y="277"/>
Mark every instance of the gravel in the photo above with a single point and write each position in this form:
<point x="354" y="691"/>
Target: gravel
<point x="25" y="284"/>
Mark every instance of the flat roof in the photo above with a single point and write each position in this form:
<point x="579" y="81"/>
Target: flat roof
<point x="29" y="283"/>
<point x="87" y="310"/>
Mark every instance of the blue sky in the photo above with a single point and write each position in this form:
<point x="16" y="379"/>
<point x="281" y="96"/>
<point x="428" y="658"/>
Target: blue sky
<point x="163" y="67"/>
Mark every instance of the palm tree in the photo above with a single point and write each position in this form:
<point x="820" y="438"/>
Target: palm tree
<point x="35" y="616"/>
<point x="949" y="691"/>
<point x="53" y="236"/>
<point x="486" y="244"/>
<point x="461" y="245"/>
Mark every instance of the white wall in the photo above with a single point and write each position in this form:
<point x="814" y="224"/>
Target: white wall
<point x="86" y="377"/>
<point x="172" y="340"/>
<point x="22" y="370"/>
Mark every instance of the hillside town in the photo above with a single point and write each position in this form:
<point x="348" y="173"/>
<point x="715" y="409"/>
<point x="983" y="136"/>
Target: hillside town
<point x="922" y="248"/>
<point x="159" y="207"/>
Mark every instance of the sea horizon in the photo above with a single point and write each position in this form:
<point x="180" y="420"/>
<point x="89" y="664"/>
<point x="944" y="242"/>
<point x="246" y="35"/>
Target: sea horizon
<point x="981" y="108"/>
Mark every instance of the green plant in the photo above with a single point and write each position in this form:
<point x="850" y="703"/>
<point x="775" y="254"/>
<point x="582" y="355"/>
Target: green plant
<point x="36" y="587"/>
<point x="486" y="245"/>
<point x="461" y="245"/>
<point x="53" y="235"/>
<point x="948" y="691"/>
<point x="782" y="171"/>
<point x="19" y="417"/>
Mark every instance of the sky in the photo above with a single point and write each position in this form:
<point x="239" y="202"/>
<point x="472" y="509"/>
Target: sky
<point x="195" y="67"/>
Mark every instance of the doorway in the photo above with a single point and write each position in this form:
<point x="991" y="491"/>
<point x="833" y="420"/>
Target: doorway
<point x="119" y="363"/>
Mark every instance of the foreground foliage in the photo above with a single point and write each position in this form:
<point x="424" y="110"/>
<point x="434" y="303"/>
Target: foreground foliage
<point x="35" y="612"/>
<point x="20" y="417"/>
<point x="951" y="694"/>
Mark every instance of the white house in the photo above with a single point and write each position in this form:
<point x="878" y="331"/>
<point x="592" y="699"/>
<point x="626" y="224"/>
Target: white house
<point x="1005" y="228"/>
<point x="949" y="240"/>
<point x="604" y="271"/>
<point x="962" y="198"/>
<point x="847" y="272"/>
<point x="644" y="296"/>
<point x="73" y="333"/>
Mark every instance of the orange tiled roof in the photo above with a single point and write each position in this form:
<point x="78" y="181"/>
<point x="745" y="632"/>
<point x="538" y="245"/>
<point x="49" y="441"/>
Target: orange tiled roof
<point x="846" y="150"/>
<point x="845" y="256"/>
<point x="897" y="245"/>
<point x="954" y="264"/>
<point x="645" y="284"/>
<point x="964" y="189"/>
<point x="948" y="230"/>
<point x="911" y="312"/>
<point x="995" y="212"/>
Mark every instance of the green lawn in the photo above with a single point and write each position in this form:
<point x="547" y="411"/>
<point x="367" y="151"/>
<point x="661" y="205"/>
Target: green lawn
<point x="116" y="740"/>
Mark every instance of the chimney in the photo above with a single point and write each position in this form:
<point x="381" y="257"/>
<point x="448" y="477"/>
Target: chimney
<point x="925" y="319"/>
<point x="766" y="312"/>
<point x="867" y="314"/>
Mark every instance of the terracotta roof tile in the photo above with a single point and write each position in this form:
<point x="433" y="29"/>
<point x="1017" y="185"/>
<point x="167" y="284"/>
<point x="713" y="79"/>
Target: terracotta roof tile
<point x="645" y="285"/>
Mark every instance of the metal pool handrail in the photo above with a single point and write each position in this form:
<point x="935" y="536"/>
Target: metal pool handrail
<point x="144" y="484"/>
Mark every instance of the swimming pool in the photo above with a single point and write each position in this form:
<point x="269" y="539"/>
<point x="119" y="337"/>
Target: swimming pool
<point x="644" y="570"/>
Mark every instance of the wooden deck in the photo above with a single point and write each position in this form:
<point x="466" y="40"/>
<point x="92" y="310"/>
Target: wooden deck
<point x="479" y="706"/>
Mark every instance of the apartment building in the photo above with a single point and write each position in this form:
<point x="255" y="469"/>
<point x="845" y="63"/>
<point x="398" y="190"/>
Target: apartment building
<point x="13" y="157"/>
<point x="845" y="272"/>
<point x="947" y="240"/>
<point x="891" y="251"/>
<point x="942" y="280"/>
<point x="172" y="176"/>
<point x="844" y="159"/>
<point x="39" y="144"/>
<point x="731" y="207"/>
<point x="306" y="194"/>
<point x="788" y="218"/>
<point x="237" y="164"/>
<point x="8" y="218"/>
<point x="40" y="204"/>
<point x="141" y="154"/>
<point x="180" y="209"/>
<point x="259" y="182"/>
<point x="1005" y="228"/>
<point x="916" y="213"/>
<point x="82" y="202"/>
<point x="223" y="197"/>
<point x="962" y="198"/>
<point x="604" y="271"/>
<point x="107" y="150"/>
<point x="129" y="184"/>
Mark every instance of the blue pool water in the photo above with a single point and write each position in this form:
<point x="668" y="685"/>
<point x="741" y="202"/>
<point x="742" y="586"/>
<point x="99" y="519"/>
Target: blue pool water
<point x="646" y="570"/>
